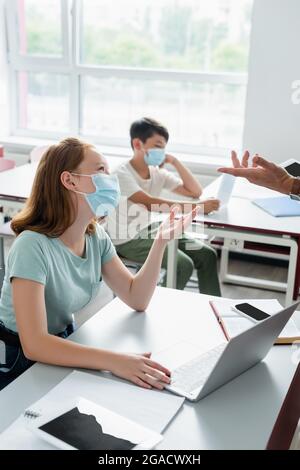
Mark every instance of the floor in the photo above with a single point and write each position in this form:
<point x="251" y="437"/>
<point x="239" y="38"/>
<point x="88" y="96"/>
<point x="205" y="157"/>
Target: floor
<point x="259" y="268"/>
<point x="263" y="269"/>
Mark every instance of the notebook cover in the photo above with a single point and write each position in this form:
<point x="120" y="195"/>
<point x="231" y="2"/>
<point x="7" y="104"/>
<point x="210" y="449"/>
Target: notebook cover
<point x="279" y="206"/>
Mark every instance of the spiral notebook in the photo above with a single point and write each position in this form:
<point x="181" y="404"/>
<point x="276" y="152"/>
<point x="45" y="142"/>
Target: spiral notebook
<point x="232" y="323"/>
<point x="149" y="408"/>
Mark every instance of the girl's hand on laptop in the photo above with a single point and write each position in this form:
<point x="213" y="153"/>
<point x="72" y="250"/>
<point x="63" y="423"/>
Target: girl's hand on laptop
<point x="140" y="370"/>
<point x="210" y="205"/>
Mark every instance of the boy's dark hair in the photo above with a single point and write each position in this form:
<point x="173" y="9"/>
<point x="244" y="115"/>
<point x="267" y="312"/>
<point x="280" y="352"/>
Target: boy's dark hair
<point x="145" y="128"/>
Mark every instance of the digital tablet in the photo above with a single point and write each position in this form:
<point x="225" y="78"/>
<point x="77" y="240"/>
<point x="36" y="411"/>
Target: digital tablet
<point x="84" y="425"/>
<point x="225" y="189"/>
<point x="292" y="166"/>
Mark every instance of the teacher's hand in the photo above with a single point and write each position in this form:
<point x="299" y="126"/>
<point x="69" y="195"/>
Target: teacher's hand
<point x="262" y="172"/>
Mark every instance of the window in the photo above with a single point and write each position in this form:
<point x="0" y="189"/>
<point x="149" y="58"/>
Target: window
<point x="90" y="67"/>
<point x="43" y="101"/>
<point x="39" y="31"/>
<point x="202" y="35"/>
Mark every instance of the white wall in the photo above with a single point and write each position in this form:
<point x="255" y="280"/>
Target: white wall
<point x="272" y="125"/>
<point x="4" y="107"/>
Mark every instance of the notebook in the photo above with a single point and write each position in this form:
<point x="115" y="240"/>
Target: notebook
<point x="148" y="408"/>
<point x="233" y="323"/>
<point x="282" y="206"/>
<point x="81" y="424"/>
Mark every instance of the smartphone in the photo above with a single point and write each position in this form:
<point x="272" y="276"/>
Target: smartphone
<point x="292" y="166"/>
<point x="248" y="310"/>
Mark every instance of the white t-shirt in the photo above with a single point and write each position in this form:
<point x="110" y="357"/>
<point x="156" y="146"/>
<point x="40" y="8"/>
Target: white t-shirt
<point x="129" y="218"/>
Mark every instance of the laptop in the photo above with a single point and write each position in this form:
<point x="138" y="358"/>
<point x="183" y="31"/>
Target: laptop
<point x="195" y="374"/>
<point x="225" y="189"/>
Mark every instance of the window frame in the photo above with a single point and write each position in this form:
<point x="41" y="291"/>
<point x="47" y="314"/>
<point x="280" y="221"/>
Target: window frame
<point x="69" y="64"/>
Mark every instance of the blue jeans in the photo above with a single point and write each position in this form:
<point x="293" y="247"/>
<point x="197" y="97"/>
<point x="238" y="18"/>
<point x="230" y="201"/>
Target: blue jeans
<point x="15" y="361"/>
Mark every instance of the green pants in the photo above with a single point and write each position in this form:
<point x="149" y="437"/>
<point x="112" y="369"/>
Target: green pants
<point x="191" y="254"/>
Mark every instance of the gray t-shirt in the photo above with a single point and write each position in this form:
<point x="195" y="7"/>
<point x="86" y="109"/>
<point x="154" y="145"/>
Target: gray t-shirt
<point x="70" y="281"/>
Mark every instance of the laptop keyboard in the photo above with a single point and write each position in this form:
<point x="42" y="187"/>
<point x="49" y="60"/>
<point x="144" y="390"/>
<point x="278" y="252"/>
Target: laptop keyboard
<point x="194" y="373"/>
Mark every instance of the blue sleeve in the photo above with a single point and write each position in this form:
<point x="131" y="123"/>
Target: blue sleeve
<point x="27" y="259"/>
<point x="107" y="248"/>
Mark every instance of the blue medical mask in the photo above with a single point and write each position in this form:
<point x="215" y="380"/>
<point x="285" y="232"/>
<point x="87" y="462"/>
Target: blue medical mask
<point x="155" y="157"/>
<point x="106" y="196"/>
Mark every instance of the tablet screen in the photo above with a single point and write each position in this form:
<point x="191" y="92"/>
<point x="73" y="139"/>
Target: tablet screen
<point x="84" y="432"/>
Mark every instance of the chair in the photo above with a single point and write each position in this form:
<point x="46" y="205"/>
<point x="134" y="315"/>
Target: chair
<point x="6" y="164"/>
<point x="204" y="238"/>
<point x="37" y="153"/>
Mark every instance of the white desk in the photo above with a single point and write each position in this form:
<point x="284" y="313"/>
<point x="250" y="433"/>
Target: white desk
<point x="240" y="415"/>
<point x="243" y="221"/>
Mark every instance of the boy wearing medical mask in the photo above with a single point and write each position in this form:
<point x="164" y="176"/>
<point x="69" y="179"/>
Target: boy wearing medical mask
<point x="142" y="180"/>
